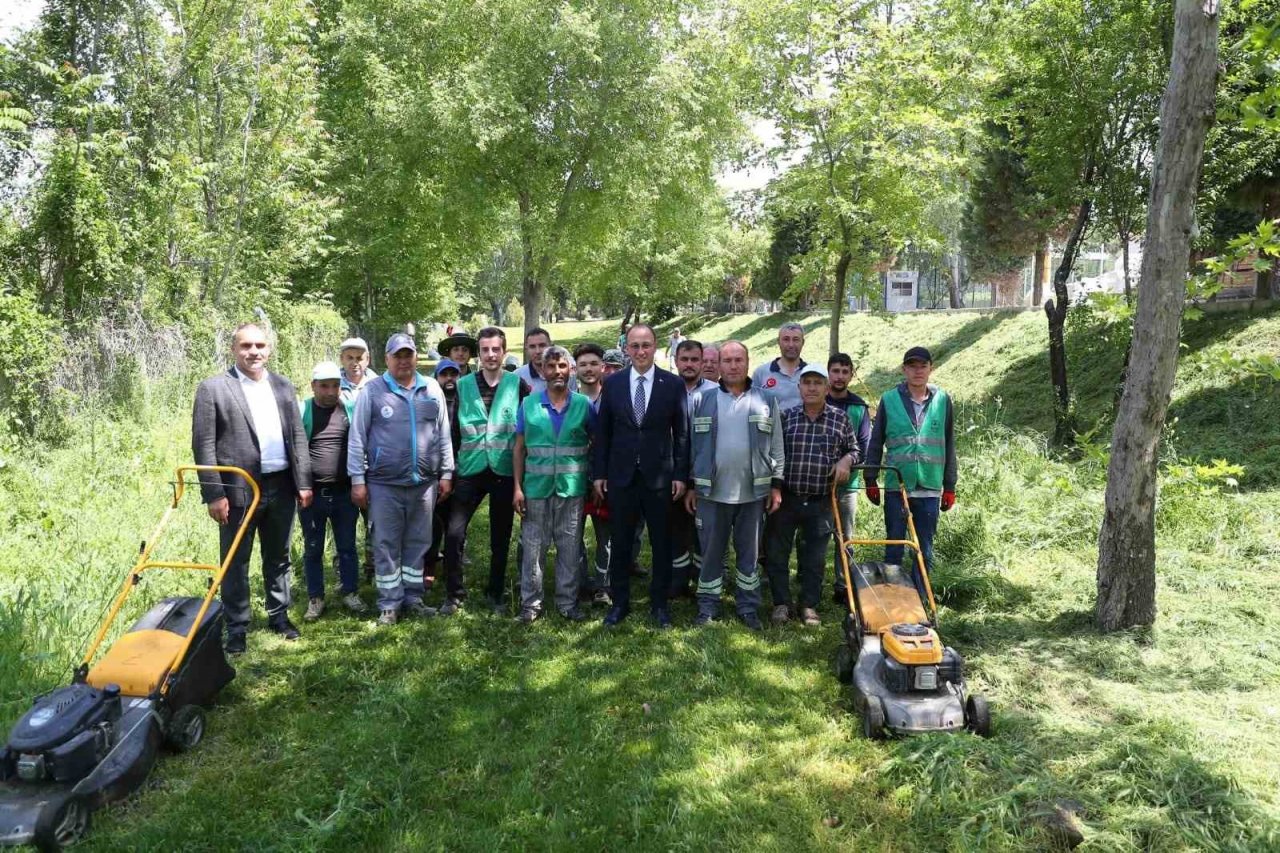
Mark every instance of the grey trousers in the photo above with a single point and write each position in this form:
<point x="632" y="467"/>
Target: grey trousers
<point x="716" y="522"/>
<point x="551" y="521"/>
<point x="401" y="520"/>
<point x="847" y="503"/>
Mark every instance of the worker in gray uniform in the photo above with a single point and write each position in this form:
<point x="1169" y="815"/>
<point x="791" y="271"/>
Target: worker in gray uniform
<point x="735" y="479"/>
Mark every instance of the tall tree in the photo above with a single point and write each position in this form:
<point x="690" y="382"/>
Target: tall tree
<point x="1126" y="543"/>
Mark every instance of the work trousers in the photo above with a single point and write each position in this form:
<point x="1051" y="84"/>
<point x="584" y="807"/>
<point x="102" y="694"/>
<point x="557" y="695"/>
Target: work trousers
<point x="847" y="503"/>
<point x="273" y="525"/>
<point x="685" y="552"/>
<point x="812" y="518"/>
<point x="551" y="521"/>
<point x="594" y="574"/>
<point x="924" y="512"/>
<point x="716" y="523"/>
<point x="330" y="507"/>
<point x="629" y="506"/>
<point x="401" y="520"/>
<point x="468" y="492"/>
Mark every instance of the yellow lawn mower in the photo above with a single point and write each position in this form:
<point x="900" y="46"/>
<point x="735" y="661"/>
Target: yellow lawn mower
<point x="904" y="680"/>
<point x="95" y="740"/>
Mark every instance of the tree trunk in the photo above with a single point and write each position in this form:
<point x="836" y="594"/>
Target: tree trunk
<point x="1124" y="254"/>
<point x="1263" y="287"/>
<point x="953" y="287"/>
<point x="837" y="308"/>
<point x="1126" y="543"/>
<point x="531" y="290"/>
<point x="1056" y="310"/>
<point x="1040" y="275"/>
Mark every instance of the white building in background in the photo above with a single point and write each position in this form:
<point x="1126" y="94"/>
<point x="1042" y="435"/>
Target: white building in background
<point x="902" y="291"/>
<point x="1101" y="270"/>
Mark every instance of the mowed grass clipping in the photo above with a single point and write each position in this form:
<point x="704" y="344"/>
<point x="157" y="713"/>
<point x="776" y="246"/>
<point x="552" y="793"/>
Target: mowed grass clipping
<point x="475" y="733"/>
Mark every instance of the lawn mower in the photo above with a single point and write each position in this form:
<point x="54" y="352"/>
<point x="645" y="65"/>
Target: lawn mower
<point x="904" y="680"/>
<point x="95" y="740"/>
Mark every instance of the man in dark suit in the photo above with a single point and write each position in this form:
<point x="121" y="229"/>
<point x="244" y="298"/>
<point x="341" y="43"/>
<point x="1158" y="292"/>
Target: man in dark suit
<point x="248" y="417"/>
<point x="641" y="462"/>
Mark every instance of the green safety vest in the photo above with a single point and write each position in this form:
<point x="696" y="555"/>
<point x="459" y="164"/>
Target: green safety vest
<point x="921" y="454"/>
<point x="488" y="437"/>
<point x="556" y="464"/>
<point x="308" y="418"/>
<point x="855" y="413"/>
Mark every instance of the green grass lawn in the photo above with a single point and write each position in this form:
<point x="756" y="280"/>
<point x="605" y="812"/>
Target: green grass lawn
<point x="475" y="733"/>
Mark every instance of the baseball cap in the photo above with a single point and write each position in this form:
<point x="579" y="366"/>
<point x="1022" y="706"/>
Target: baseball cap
<point x="511" y="364"/>
<point x="400" y="341"/>
<point x="614" y="356"/>
<point x="917" y="354"/>
<point x="325" y="370"/>
<point x="815" y="369"/>
<point x="354" y="343"/>
<point x="447" y="364"/>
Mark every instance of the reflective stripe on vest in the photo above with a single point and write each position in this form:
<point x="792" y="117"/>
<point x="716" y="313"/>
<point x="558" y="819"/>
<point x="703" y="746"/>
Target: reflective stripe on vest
<point x="556" y="464"/>
<point x="921" y="454"/>
<point x="855" y="413"/>
<point x="488" y="437"/>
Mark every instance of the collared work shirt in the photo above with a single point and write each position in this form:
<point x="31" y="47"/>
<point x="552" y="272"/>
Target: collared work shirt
<point x="266" y="422"/>
<point x="812" y="446"/>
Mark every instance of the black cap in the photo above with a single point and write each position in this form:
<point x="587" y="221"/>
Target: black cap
<point x="917" y="354"/>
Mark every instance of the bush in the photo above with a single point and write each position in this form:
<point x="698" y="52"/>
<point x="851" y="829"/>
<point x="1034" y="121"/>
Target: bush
<point x="30" y="399"/>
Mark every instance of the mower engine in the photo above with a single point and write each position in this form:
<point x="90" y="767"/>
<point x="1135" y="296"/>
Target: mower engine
<point x="915" y="659"/>
<point x="65" y="735"/>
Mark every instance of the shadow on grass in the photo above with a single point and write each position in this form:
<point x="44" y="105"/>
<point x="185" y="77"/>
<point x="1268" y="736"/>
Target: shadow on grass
<point x="1237" y="423"/>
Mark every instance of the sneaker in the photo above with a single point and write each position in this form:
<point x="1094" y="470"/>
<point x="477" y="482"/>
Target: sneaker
<point x="781" y="614"/>
<point x="354" y="603"/>
<point x="810" y="617"/>
<point x="751" y="620"/>
<point x="574" y="614"/>
<point x="450" y="607"/>
<point x="602" y="598"/>
<point x="388" y="617"/>
<point x="315" y="609"/>
<point x="421" y="610"/>
<point x="528" y="616"/>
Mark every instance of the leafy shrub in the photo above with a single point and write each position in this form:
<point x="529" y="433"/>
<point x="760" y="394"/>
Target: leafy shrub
<point x="30" y="401"/>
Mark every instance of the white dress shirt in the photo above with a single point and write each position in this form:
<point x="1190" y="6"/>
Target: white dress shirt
<point x="266" y="422"/>
<point x="648" y="385"/>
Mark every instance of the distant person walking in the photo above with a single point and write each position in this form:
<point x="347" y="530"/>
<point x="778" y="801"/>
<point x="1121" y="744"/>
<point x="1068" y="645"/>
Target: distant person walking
<point x="248" y="418"/>
<point x="914" y="431"/>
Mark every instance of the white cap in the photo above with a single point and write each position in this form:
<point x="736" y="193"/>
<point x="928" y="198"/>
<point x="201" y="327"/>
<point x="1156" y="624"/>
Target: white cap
<point x="354" y="343"/>
<point x="325" y="370"/>
<point x="815" y="369"/>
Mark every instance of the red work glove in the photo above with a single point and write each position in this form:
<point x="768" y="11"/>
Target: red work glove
<point x="948" y="500"/>
<point x="873" y="493"/>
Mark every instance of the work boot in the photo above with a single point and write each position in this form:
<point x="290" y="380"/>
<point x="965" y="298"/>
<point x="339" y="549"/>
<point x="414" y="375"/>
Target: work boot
<point x="421" y="610"/>
<point x="236" y="643"/>
<point x="703" y="619"/>
<point x="602" y="598"/>
<point x="781" y="615"/>
<point x="285" y="628"/>
<point x="528" y="616"/>
<point x="315" y="609"/>
<point x="353" y="603"/>
<point x="388" y="617"/>
<point x="810" y="617"/>
<point x="574" y="614"/>
<point x="450" y="607"/>
<point x="752" y="620"/>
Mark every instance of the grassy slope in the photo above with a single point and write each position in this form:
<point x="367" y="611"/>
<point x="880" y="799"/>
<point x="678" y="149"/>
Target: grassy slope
<point x="472" y="733"/>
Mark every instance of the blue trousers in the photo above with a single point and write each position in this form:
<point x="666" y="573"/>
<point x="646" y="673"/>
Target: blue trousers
<point x="329" y="506"/>
<point x="924" y="512"/>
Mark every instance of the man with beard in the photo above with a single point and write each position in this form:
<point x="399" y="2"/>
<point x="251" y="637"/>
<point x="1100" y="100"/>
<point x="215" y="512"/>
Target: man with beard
<point x="687" y="562"/>
<point x="553" y="434"/>
<point x="447" y="373"/>
<point x="593" y="582"/>
<point x="839" y="375"/>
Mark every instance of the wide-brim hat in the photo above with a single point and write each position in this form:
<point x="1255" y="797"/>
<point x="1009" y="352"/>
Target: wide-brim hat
<point x="460" y="338"/>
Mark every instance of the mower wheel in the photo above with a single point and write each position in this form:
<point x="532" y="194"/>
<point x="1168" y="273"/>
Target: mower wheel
<point x="186" y="728"/>
<point x="977" y="715"/>
<point x="63" y="826"/>
<point x="873" y="720"/>
<point x="843" y="666"/>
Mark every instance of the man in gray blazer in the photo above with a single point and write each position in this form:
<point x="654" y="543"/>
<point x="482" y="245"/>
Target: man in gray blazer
<point x="248" y="418"/>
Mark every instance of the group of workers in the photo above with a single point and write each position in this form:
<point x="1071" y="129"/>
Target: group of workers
<point x="702" y="456"/>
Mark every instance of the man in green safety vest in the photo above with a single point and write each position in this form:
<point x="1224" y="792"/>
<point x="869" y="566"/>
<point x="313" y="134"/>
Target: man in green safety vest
<point x="914" y="431"/>
<point x="553" y="437"/>
<point x="487" y="404"/>
<point x="839" y="375"/>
